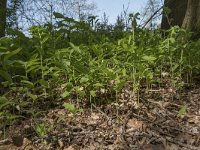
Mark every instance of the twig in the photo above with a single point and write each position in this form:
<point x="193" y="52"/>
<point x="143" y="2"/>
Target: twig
<point x="182" y="144"/>
<point x="154" y="14"/>
<point x="123" y="132"/>
<point x="5" y="141"/>
<point x="101" y="112"/>
<point x="152" y="17"/>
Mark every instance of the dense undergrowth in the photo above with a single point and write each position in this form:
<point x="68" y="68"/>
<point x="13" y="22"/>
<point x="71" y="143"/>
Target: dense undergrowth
<point x="72" y="60"/>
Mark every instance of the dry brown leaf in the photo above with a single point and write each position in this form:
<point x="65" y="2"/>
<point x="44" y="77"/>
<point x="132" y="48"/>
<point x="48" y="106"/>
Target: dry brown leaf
<point x="60" y="143"/>
<point x="69" y="148"/>
<point x="185" y="138"/>
<point x="94" y="116"/>
<point x="153" y="147"/>
<point x="118" y="140"/>
<point x="193" y="119"/>
<point x="151" y="116"/>
<point x="135" y="124"/>
<point x="61" y="112"/>
<point x="172" y="147"/>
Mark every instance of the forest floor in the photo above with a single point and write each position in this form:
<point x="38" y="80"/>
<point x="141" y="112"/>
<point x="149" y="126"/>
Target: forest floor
<point x="162" y="119"/>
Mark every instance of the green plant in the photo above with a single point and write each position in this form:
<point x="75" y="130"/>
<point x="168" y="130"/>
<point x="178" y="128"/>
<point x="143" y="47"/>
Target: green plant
<point x="72" y="108"/>
<point x="72" y="59"/>
<point x="41" y="129"/>
<point x="182" y="111"/>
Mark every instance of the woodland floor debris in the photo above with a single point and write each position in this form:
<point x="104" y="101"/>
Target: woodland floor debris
<point x="153" y="124"/>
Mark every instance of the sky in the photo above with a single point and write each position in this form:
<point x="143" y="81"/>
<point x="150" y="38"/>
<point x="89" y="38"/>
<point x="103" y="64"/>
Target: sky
<point x="112" y="8"/>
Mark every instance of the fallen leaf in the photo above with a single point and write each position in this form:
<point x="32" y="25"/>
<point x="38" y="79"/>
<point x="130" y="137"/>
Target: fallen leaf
<point x="135" y="124"/>
<point x="153" y="147"/>
<point x="69" y="148"/>
<point x="193" y="119"/>
<point x="94" y="116"/>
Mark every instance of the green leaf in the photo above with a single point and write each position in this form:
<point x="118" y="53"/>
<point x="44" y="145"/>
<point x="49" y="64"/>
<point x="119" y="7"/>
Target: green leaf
<point x="149" y="75"/>
<point x="44" y="40"/>
<point x="28" y="83"/>
<point x="93" y="93"/>
<point x="70" y="107"/>
<point x="41" y="129"/>
<point x="124" y="72"/>
<point x="119" y="84"/>
<point x="6" y="75"/>
<point x="4" y="102"/>
<point x="76" y="48"/>
<point x="33" y="112"/>
<point x="43" y="82"/>
<point x="3" y="48"/>
<point x="84" y="80"/>
<point x="65" y="94"/>
<point x="34" y="97"/>
<point x="67" y="85"/>
<point x="81" y="93"/>
<point x="150" y="59"/>
<point x="33" y="62"/>
<point x="98" y="85"/>
<point x="182" y="111"/>
<point x="69" y="19"/>
<point x="58" y="15"/>
<point x="66" y="63"/>
<point x="10" y="54"/>
<point x="78" y="66"/>
<point x="32" y="68"/>
<point x="175" y="67"/>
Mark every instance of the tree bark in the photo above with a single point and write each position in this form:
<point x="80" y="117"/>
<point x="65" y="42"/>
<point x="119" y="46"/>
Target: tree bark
<point x="184" y="13"/>
<point x="191" y="21"/>
<point x="176" y="15"/>
<point x="3" y="4"/>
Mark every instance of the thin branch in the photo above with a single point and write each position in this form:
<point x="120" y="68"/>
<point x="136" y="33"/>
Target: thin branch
<point x="152" y="16"/>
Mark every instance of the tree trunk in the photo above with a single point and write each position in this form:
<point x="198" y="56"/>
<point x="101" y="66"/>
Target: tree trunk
<point x="177" y="11"/>
<point x="3" y="4"/>
<point x="191" y="21"/>
<point x="184" y="13"/>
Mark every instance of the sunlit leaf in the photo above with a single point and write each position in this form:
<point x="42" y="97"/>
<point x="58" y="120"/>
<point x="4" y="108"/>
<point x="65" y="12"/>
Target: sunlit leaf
<point x="150" y="59"/>
<point x="65" y="94"/>
<point x="182" y="111"/>
<point x="84" y="80"/>
<point x="98" y="85"/>
<point x="93" y="93"/>
<point x="70" y="107"/>
<point x="44" y="40"/>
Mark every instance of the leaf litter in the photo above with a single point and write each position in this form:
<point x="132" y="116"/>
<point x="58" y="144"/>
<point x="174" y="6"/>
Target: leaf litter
<point x="160" y="121"/>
